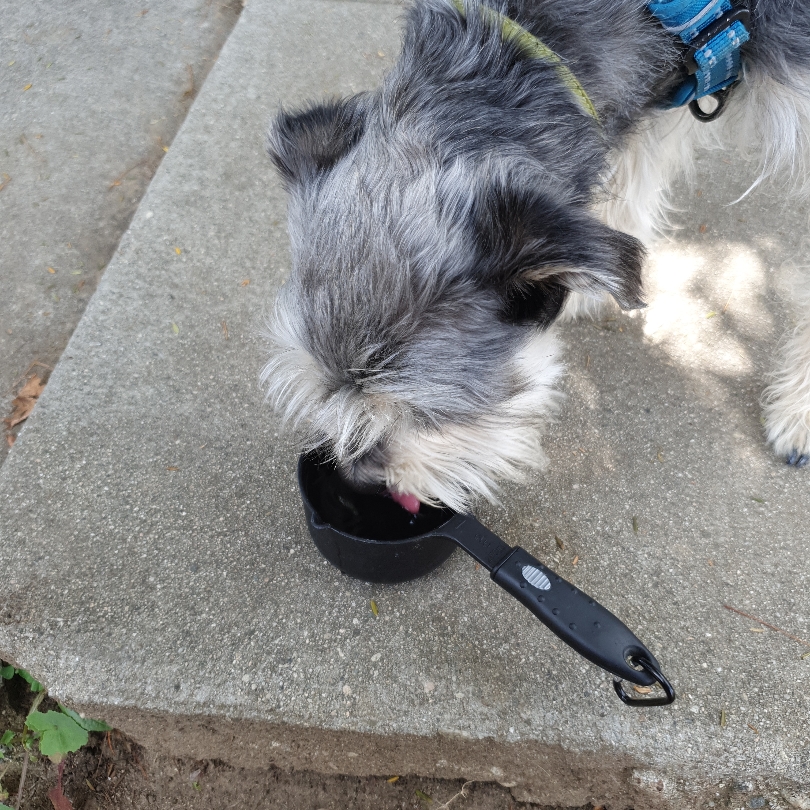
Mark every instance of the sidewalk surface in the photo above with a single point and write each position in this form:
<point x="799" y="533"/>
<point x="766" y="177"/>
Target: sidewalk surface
<point x="158" y="569"/>
<point x="91" y="95"/>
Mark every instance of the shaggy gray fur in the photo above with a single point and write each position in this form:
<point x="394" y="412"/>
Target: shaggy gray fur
<point x="439" y="220"/>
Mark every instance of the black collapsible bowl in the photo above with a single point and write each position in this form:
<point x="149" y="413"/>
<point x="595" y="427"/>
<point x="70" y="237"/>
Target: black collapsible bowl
<point x="405" y="554"/>
<point x="371" y="537"/>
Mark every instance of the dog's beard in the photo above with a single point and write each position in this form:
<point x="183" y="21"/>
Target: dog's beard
<point x="452" y="463"/>
<point x="457" y="463"/>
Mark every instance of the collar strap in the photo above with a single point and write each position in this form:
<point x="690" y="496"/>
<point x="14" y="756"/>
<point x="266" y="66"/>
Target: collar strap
<point x="714" y="32"/>
<point x="529" y="44"/>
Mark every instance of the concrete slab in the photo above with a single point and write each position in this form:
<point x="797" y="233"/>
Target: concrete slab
<point x="90" y="95"/>
<point x="158" y="570"/>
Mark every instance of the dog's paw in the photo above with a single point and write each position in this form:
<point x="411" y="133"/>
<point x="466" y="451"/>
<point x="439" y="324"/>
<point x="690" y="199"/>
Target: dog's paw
<point x="789" y="435"/>
<point x="797" y="459"/>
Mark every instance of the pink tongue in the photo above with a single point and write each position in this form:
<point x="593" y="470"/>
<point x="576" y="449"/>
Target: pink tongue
<point x="409" y="502"/>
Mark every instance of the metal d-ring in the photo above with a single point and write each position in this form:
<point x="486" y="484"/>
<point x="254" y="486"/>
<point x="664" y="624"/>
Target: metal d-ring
<point x="721" y="97"/>
<point x="652" y="669"/>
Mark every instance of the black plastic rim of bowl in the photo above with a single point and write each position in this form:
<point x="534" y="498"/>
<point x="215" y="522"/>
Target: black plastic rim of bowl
<point x="386" y="561"/>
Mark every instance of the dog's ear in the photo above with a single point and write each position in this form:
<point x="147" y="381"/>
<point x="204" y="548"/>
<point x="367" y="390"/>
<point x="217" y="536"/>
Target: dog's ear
<point x="536" y="249"/>
<point x="308" y="141"/>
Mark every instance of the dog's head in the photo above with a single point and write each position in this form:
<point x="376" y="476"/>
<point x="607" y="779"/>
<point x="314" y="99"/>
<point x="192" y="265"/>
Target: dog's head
<point x="412" y="337"/>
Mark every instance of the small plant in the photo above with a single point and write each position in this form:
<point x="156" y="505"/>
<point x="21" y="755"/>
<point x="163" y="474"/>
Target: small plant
<point x="56" y="733"/>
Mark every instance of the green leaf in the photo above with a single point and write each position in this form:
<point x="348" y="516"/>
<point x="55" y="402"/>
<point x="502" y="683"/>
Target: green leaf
<point x="5" y="807"/>
<point x="60" y="733"/>
<point x="85" y="722"/>
<point x="7" y="738"/>
<point x="7" y="672"/>
<point x="35" y="685"/>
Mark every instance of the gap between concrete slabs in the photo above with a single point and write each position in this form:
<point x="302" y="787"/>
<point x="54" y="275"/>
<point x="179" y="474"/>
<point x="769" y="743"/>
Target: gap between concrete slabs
<point x="91" y="98"/>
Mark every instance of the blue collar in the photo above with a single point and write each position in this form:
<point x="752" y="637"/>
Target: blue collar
<point x="714" y="31"/>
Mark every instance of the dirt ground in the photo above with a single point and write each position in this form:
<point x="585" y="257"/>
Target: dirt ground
<point x="113" y="771"/>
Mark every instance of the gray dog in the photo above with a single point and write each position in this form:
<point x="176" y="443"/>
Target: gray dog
<point x="442" y="223"/>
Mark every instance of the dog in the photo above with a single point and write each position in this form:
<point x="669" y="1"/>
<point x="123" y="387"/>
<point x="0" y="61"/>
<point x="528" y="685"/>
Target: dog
<point x="504" y="176"/>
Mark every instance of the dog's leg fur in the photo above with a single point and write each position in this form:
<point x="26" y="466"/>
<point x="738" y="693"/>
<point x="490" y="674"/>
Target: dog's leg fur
<point x="776" y="117"/>
<point x="787" y="398"/>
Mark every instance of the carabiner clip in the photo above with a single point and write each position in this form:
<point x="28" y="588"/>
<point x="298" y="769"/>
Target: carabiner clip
<point x="649" y="667"/>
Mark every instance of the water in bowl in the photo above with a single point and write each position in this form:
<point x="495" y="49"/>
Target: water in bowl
<point x="372" y="517"/>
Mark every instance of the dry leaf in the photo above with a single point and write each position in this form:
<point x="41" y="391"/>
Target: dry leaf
<point x="576" y="560"/>
<point x="190" y="90"/>
<point x="10" y="439"/>
<point x="33" y="388"/>
<point x="24" y="402"/>
<point x="245" y="283"/>
<point x="642" y="690"/>
<point x="392" y="780"/>
<point x="22" y="410"/>
<point x="27" y="87"/>
<point x="702" y="228"/>
<point x="178" y="250"/>
<point x="560" y="544"/>
<point x="172" y="469"/>
<point x="51" y="270"/>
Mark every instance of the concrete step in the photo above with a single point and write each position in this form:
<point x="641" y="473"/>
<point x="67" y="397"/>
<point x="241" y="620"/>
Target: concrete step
<point x="157" y="568"/>
<point x="90" y="96"/>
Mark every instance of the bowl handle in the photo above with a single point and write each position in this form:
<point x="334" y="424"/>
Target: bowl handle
<point x="577" y="618"/>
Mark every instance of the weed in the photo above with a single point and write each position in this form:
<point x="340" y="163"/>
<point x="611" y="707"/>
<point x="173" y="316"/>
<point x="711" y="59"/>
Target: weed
<point x="55" y="733"/>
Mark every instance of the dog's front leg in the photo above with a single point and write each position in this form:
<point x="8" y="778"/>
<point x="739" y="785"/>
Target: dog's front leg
<point x="787" y="398"/>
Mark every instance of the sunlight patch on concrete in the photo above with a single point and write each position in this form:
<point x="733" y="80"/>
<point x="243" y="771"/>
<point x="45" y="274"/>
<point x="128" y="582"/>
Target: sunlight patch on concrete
<point x="691" y="305"/>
